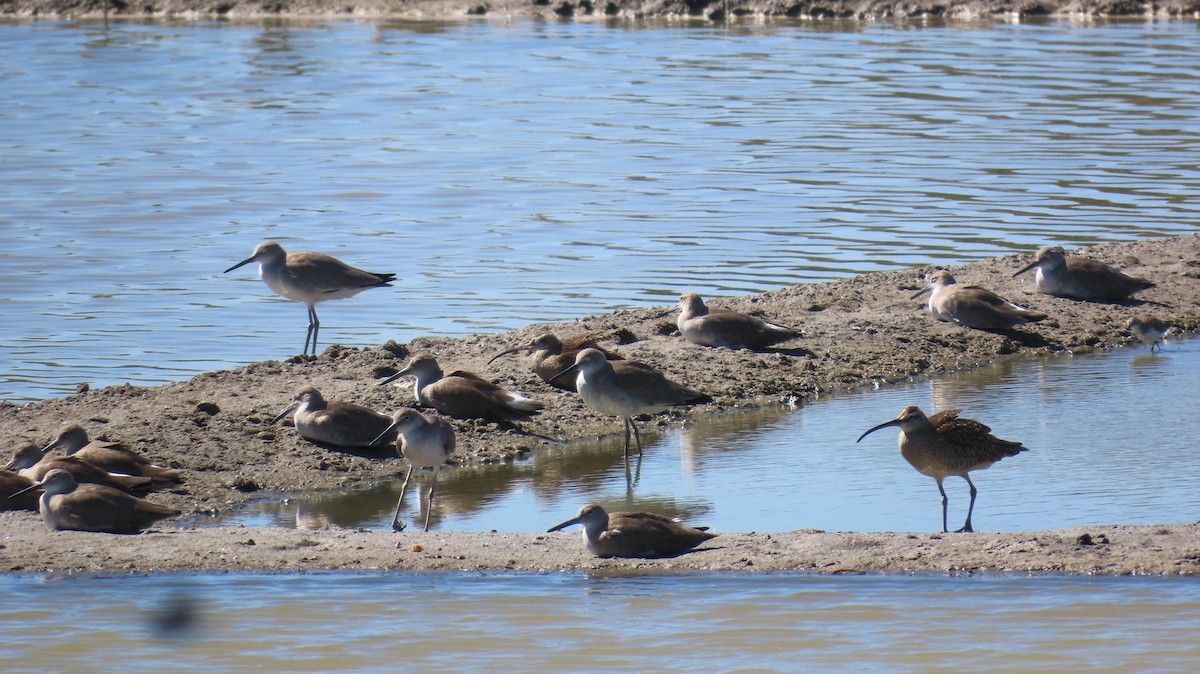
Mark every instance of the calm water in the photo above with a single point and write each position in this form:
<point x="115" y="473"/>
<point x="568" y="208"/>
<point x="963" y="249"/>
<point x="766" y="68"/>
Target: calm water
<point x="510" y="622"/>
<point x="1092" y="460"/>
<point x="531" y="171"/>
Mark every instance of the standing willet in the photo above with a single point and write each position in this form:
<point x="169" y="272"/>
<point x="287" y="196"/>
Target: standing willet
<point x="310" y="278"/>
<point x="634" y="534"/>
<point x="626" y="389"/>
<point x="113" y="457"/>
<point x="33" y="463"/>
<point x="551" y="356"/>
<point x="972" y="306"/>
<point x="944" y="445"/>
<point x="336" y="423"/>
<point x="464" y="395"/>
<point x="1080" y="277"/>
<point x="720" y="327"/>
<point x="16" y="492"/>
<point x="425" y="441"/>
<point x="66" y="504"/>
<point x="1149" y="329"/>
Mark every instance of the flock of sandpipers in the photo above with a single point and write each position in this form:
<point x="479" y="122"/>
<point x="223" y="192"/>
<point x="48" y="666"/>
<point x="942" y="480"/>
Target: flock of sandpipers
<point x="98" y="486"/>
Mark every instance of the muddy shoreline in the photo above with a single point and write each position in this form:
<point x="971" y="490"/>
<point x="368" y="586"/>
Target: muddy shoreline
<point x="709" y="10"/>
<point x="860" y="331"/>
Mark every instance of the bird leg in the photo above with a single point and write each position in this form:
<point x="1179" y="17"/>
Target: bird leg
<point x="944" y="502"/>
<point x="397" y="525"/>
<point x="626" y="420"/>
<point x="429" y="506"/>
<point x="636" y="436"/>
<point x="314" y="325"/>
<point x="970" y="508"/>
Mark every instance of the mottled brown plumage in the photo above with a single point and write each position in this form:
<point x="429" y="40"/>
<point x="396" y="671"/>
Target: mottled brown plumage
<point x="551" y="356"/>
<point x="1082" y="278"/>
<point x="33" y="463"/>
<point x="943" y="445"/>
<point x="112" y="457"/>
<point x="66" y="504"/>
<point x="464" y="395"/>
<point x="634" y="534"/>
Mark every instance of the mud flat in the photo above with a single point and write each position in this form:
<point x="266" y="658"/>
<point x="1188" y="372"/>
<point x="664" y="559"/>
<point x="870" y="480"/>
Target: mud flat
<point x="860" y="331"/>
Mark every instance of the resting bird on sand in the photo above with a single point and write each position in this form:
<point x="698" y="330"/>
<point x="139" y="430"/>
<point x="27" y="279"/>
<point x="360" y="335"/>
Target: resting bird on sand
<point x="723" y="328"/>
<point x="1082" y="278"/>
<point x="66" y="504"/>
<point x="464" y="395"/>
<point x="634" y="534"/>
<point x="340" y="424"/>
<point x="551" y="356"/>
<point x="944" y="445"/>
<point x="113" y="457"/>
<point x="972" y="306"/>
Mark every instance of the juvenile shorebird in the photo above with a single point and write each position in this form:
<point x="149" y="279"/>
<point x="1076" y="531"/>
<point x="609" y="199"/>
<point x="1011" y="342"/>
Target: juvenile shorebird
<point x="1080" y="277"/>
<point x="1149" y="329"/>
<point x="310" y="278"/>
<point x="424" y="441"/>
<point x="112" y="457"/>
<point x="551" y="356"/>
<point x="464" y="395"/>
<point x="972" y="306"/>
<point x="336" y="423"/>
<point x="66" y="504"/>
<point x="33" y="463"/>
<point x="16" y="492"/>
<point x="720" y="327"/>
<point x="944" y="445"/>
<point x="634" y="534"/>
<point x="627" y="388"/>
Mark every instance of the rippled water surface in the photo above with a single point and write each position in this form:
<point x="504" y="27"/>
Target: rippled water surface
<point x="508" y="622"/>
<point x="526" y="171"/>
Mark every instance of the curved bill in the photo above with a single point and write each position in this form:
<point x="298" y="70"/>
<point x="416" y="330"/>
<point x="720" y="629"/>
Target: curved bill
<point x="505" y="353"/>
<point x="893" y="422"/>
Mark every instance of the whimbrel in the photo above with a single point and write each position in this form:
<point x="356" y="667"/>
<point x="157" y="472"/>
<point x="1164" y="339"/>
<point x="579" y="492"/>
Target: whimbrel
<point x="1149" y="330"/>
<point x="464" y="395"/>
<point x="723" y="328"/>
<point x="1080" y="277"/>
<point x="336" y="423"/>
<point x="634" y="534"/>
<point x="944" y="445"/>
<point x="32" y="462"/>
<point x="310" y="278"/>
<point x="973" y="306"/>
<point x="551" y="356"/>
<point x="66" y="504"/>
<point x="424" y="441"/>
<point x="627" y="388"/>
<point x="113" y="457"/>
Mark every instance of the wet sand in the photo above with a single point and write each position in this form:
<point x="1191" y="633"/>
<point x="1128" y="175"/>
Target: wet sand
<point x="711" y="10"/>
<point x="861" y="331"/>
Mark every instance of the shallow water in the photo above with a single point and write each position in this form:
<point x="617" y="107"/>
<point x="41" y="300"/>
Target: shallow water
<point x="473" y="622"/>
<point x="528" y="171"/>
<point x="1093" y="459"/>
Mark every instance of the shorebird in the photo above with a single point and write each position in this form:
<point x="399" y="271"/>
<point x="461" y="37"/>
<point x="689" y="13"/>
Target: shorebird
<point x="310" y="278"/>
<point x="551" y="356"/>
<point x="336" y="423"/>
<point x="627" y="388"/>
<point x="1149" y="329"/>
<point x="720" y="327"/>
<point x="944" y="445"/>
<point x="1080" y="277"/>
<point x="424" y="441"/>
<point x="973" y="306"/>
<point x="16" y="492"/>
<point x="33" y="463"/>
<point x="66" y="504"/>
<point x="112" y="457"/>
<point x="634" y="534"/>
<point x="464" y="395"/>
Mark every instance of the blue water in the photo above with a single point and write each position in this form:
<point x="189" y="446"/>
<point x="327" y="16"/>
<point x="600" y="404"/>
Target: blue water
<point x="525" y="171"/>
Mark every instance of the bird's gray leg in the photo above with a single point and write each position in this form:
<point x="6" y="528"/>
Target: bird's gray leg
<point x="429" y="506"/>
<point x="397" y="525"/>
<point x="970" y="508"/>
<point x="314" y="326"/>
<point x="627" y="424"/>
<point x="636" y="436"/>
<point x="944" y="502"/>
